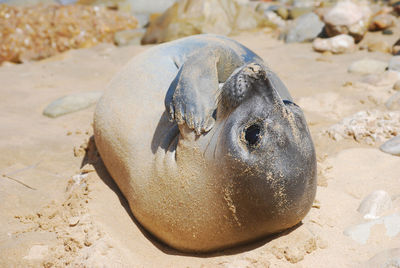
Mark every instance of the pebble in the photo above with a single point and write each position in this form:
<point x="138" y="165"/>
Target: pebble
<point x="386" y="79"/>
<point x="389" y="258"/>
<point x="396" y="48"/>
<point x="393" y="103"/>
<point x="129" y="37"/>
<point x="338" y="44"/>
<point x="343" y="13"/>
<point x="367" y="66"/>
<point x="387" y="32"/>
<point x="380" y="46"/>
<point x="375" y="204"/>
<point x="275" y="19"/>
<point x="296" y="12"/>
<point x="347" y="18"/>
<point x="361" y="232"/>
<point x="283" y="13"/>
<point x="72" y="103"/>
<point x="305" y="28"/>
<point x="381" y="22"/>
<point x="394" y="63"/>
<point x="392" y="146"/>
<point x="396" y="85"/>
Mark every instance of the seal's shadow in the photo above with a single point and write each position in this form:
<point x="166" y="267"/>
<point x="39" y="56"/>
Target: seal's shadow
<point x="92" y="157"/>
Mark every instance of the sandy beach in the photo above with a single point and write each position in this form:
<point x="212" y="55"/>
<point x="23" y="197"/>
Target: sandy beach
<point x="60" y="207"/>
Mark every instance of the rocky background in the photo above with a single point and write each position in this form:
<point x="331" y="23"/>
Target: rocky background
<point x="339" y="59"/>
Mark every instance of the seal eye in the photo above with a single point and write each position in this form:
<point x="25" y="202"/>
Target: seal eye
<point x="288" y="102"/>
<point x="252" y="134"/>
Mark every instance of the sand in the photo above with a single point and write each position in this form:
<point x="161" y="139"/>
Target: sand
<point x="59" y="207"/>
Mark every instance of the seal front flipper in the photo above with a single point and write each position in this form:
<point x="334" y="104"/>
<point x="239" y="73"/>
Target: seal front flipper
<point x="192" y="95"/>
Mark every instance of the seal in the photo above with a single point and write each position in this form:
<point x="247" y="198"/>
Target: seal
<point x="206" y="144"/>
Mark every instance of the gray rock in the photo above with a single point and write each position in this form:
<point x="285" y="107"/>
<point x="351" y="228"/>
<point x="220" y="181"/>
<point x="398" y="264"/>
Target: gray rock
<point x="129" y="37"/>
<point x="375" y="204"/>
<point x="393" y="103"/>
<point x="392" y="146"/>
<point x="367" y="66"/>
<point x="305" y="28"/>
<point x="394" y="63"/>
<point x="361" y="232"/>
<point x="385" y="259"/>
<point x="72" y="103"/>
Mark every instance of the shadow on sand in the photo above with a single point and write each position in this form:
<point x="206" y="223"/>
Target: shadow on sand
<point x="92" y="157"/>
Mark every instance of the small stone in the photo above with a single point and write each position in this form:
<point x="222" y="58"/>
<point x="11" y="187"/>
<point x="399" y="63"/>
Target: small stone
<point x="129" y="37"/>
<point x="393" y="103"/>
<point x="296" y="12"/>
<point x="72" y="103"/>
<point x="387" y="32"/>
<point x="380" y="46"/>
<point x="375" y="204"/>
<point x="367" y="66"/>
<point x="346" y="17"/>
<point x="283" y="13"/>
<point x="396" y="85"/>
<point x="305" y="28"/>
<point x="386" y="259"/>
<point x="338" y="44"/>
<point x="381" y="22"/>
<point x="275" y="19"/>
<point x="394" y="63"/>
<point x="386" y="79"/>
<point x="73" y="221"/>
<point x="303" y="3"/>
<point x="392" y="146"/>
<point x="396" y="48"/>
<point x="343" y="13"/>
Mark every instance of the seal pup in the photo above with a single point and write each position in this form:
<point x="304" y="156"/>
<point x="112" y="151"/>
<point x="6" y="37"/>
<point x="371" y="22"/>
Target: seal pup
<point x="206" y="145"/>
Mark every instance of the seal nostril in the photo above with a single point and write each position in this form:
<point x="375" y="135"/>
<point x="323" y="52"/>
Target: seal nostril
<point x="252" y="134"/>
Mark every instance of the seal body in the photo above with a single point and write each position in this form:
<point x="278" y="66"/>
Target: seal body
<point x="206" y="144"/>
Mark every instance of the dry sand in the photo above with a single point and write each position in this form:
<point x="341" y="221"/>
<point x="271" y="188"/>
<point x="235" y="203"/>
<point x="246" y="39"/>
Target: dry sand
<point x="53" y="212"/>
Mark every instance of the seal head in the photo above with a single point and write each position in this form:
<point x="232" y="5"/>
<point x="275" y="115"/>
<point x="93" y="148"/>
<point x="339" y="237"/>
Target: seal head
<point x="266" y="152"/>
